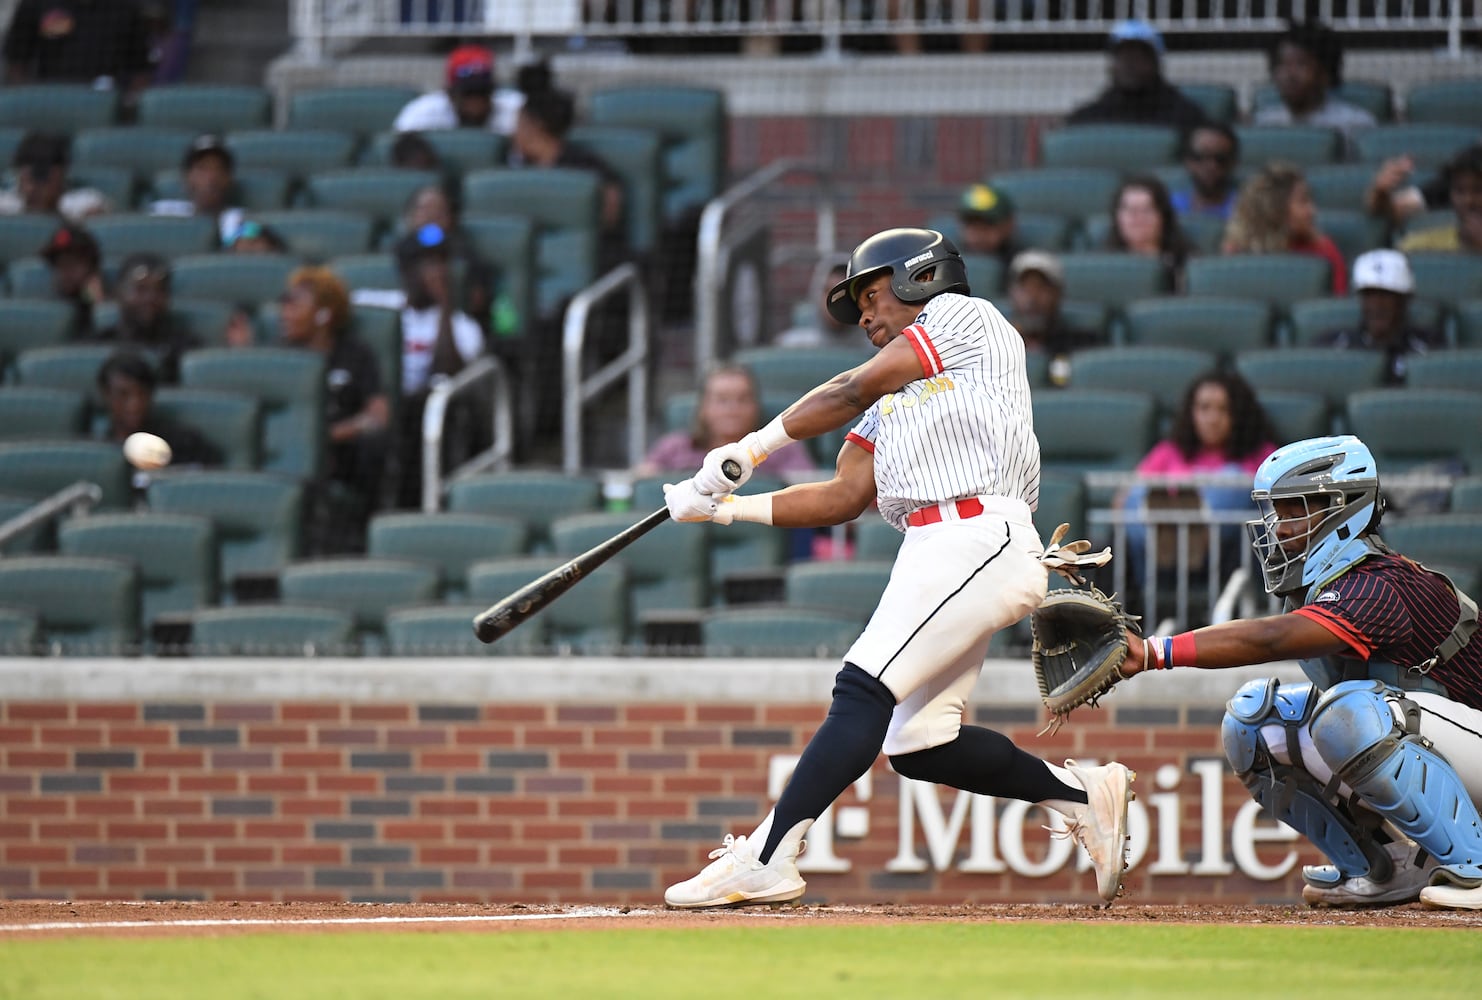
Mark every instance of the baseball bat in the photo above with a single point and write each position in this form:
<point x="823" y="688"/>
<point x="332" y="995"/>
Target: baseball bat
<point x="503" y="617"/>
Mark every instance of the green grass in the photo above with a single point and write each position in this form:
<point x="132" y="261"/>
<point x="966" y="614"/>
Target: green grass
<point x="901" y="962"/>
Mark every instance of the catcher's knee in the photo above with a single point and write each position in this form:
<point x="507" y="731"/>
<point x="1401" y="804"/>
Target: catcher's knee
<point x="1354" y="729"/>
<point x="1257" y="704"/>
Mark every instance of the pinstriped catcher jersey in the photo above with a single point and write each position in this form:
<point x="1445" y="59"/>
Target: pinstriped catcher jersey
<point x="965" y="428"/>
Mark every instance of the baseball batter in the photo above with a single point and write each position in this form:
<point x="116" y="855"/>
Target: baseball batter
<point x="943" y="438"/>
<point x="1378" y="760"/>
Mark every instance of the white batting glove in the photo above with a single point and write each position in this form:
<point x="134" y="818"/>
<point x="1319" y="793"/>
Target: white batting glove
<point x="1068" y="559"/>
<point x="688" y="504"/>
<point x="712" y="478"/>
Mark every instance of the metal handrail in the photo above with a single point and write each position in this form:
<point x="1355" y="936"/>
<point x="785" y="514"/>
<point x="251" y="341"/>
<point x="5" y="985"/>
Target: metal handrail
<point x="710" y="261"/>
<point x="78" y="498"/>
<point x="434" y="418"/>
<point x="576" y="392"/>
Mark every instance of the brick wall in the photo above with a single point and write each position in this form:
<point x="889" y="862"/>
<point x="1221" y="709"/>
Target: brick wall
<point x="546" y="802"/>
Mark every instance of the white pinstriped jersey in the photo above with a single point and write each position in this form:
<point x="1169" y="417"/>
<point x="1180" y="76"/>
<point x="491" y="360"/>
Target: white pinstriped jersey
<point x="964" y="429"/>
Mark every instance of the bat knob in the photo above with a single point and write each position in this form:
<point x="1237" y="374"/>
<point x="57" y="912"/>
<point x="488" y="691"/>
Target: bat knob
<point x="732" y="469"/>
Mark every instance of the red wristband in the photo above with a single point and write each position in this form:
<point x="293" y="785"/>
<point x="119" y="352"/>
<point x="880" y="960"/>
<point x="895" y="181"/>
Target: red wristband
<point x="1183" y="652"/>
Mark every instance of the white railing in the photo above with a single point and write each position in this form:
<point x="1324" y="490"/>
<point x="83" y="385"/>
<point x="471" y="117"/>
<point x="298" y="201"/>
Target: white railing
<point x="485" y="372"/>
<point x="577" y="392"/>
<point x="317" y="21"/>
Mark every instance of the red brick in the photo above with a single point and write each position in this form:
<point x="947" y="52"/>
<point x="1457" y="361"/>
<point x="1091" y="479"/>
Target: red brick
<point x="587" y="855"/>
<point x="138" y="782"/>
<point x="64" y="878"/>
<point x="140" y="736"/>
<point x="655" y="713"/>
<point x="295" y="896"/>
<point x="480" y="831"/>
<point x="312" y="759"/>
<point x="108" y="712"/>
<point x="447" y="807"/>
<point x="515" y="713"/>
<point x="279" y="830"/>
<point x="277" y="736"/>
<point x="430" y="737"/>
<point x="227" y="854"/>
<point x="551" y="831"/>
<point x="138" y="831"/>
<point x="319" y="807"/>
<point x="277" y="783"/>
<point x="240" y="711"/>
<point x="20" y="854"/>
<point x="623" y="737"/>
<point x="587" y="807"/>
<point x="68" y="830"/>
<point x="311" y="712"/>
<point x="168" y="759"/>
<point x="174" y="807"/>
<point x="514" y="854"/>
<point x="22" y="805"/>
<point x="26" y="759"/>
<point x="558" y="879"/>
<point x="206" y="830"/>
<point x="502" y="807"/>
<point x="74" y="736"/>
<point x="586" y="715"/>
<point x="380" y="713"/>
<point x="359" y="784"/>
<point x="623" y="784"/>
<point x="105" y="806"/>
<point x="438" y="854"/>
<point x="484" y="736"/>
<point x="38" y="711"/>
<point x="693" y="784"/>
<point x="578" y="760"/>
<point x="739" y="761"/>
<point x="205" y="878"/>
<point x="450" y="760"/>
<point x="209" y="783"/>
<point x="175" y="854"/>
<point x="17" y="735"/>
<point x="786" y="715"/>
<point x="658" y="808"/>
<point x="138" y="878"/>
<point x="15" y="830"/>
<point x="726" y="713"/>
<point x="413" y="831"/>
<point x="552" y="737"/>
<point x="313" y="854"/>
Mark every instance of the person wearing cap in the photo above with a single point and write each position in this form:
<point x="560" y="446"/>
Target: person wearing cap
<point x="76" y="273"/>
<point x="1036" y="291"/>
<point x="144" y="318"/>
<point x="985" y="216"/>
<point x="41" y="160"/>
<point x="469" y="98"/>
<point x="1137" y="93"/>
<point x="1384" y="284"/>
<point x="1306" y="65"/>
<point x="208" y="171"/>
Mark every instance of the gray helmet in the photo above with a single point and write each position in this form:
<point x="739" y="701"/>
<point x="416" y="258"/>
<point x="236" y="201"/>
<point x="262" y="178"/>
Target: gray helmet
<point x="905" y="253"/>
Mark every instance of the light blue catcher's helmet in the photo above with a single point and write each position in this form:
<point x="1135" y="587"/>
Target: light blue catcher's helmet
<point x="1335" y="475"/>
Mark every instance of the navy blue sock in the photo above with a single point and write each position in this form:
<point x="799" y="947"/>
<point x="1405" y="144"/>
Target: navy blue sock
<point x="840" y="751"/>
<point x="986" y="763"/>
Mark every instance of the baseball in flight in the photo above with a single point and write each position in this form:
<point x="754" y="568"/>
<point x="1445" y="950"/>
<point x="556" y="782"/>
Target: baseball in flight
<point x="146" y="451"/>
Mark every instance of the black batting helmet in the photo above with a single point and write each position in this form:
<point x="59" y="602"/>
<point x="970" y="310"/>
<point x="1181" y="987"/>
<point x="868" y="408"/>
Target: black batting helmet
<point x="905" y="253"/>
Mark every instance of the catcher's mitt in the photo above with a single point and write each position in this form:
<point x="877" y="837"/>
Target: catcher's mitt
<point x="1080" y="641"/>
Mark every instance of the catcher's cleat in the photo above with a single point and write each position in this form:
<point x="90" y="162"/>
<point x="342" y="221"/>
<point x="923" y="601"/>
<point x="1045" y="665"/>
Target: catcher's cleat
<point x="736" y="877"/>
<point x="1325" y="887"/>
<point x="1100" y="826"/>
<point x="1451" y="897"/>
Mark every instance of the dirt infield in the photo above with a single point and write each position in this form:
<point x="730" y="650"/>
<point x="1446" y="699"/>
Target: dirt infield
<point x="32" y="918"/>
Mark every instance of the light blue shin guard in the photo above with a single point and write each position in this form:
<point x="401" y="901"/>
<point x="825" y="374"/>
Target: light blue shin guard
<point x="1398" y="775"/>
<point x="1286" y="791"/>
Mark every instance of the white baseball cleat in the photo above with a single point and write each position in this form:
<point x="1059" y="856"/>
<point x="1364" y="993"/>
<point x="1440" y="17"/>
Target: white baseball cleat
<point x="1324" y="887"/>
<point x="1452" y="896"/>
<point x="1100" y="826"/>
<point x="736" y="877"/>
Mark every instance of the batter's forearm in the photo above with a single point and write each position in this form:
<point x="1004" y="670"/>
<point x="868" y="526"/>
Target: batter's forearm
<point x="814" y="505"/>
<point x="832" y="405"/>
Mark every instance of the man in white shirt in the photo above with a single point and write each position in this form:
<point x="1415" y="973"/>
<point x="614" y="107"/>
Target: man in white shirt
<point x="209" y="174"/>
<point x="1306" y="65"/>
<point x="469" y="99"/>
<point x="41" y="161"/>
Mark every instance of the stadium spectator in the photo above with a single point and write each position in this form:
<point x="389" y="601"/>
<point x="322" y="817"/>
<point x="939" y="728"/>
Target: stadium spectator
<point x="1137" y="93"/>
<point x="1384" y="285"/>
<point x="729" y="408"/>
<point x="814" y="325"/>
<point x="469" y="98"/>
<point x="144" y="319"/>
<point x="1462" y="181"/>
<point x="105" y="44"/>
<point x="127" y="382"/>
<point x="1211" y="153"/>
<point x="76" y="273"/>
<point x="433" y="205"/>
<point x="1306" y="67"/>
<point x="1036" y="292"/>
<point x="412" y="151"/>
<point x="315" y="315"/>
<point x="252" y="237"/>
<point x="1275" y="213"/>
<point x="1143" y="223"/>
<point x="985" y="218"/>
<point x="208" y="171"/>
<point x="41" y="161"/>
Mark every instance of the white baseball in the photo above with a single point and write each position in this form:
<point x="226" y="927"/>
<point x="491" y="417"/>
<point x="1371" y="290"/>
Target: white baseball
<point x="146" y="451"/>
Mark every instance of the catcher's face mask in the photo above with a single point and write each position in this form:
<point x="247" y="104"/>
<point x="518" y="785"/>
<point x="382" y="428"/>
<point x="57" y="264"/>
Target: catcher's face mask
<point x="1286" y="532"/>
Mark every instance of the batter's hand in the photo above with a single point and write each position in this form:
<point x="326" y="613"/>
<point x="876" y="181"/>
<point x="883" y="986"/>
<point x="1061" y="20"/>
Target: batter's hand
<point x="688" y="504"/>
<point x="712" y="478"/>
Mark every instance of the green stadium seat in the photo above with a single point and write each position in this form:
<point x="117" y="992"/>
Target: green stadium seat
<point x="1163" y="371"/>
<point x="289" y="386"/>
<point x="319" y="234"/>
<point x="173" y="555"/>
<point x="793" y="371"/>
<point x="1374" y="96"/>
<point x="762" y="631"/>
<point x="205" y="107"/>
<point x="380" y="192"/>
<point x="1448" y="277"/>
<point x="1128" y="148"/>
<point x="875" y="538"/>
<point x="1276" y="278"/>
<point x="73" y="367"/>
<point x="57" y="107"/>
<point x="1043" y="231"/>
<point x="85" y="606"/>
<point x="367" y="270"/>
<point x="257" y="515"/>
<point x="667" y="568"/>
<point x="1310" y="319"/>
<point x="1468" y="319"/>
<point x="1409" y="427"/>
<point x="1460" y="369"/>
<point x="362" y="110"/>
<point x="203" y="318"/>
<point x="1353" y="230"/>
<point x="1445" y="102"/>
<point x="1304" y="145"/>
<point x="1295" y="416"/>
<point x="1429" y="145"/>
<point x="36" y="539"/>
<point x="1205" y="233"/>
<point x="118" y="184"/>
<point x="590" y="617"/>
<point x="1334" y="374"/>
<point x="236" y="279"/>
<point x="258" y="189"/>
<point x="168" y="236"/>
<point x="566" y="208"/>
<point x="447" y="630"/>
<point x="297" y="154"/>
<point x="1062" y="500"/>
<point x="24" y="235"/>
<point x="737" y="548"/>
<point x="1218" y="101"/>
<point x="381" y="331"/>
<point x="37" y="469"/>
<point x="507" y="243"/>
<point x="691" y="121"/>
<point x="32" y="412"/>
<point x="10" y="140"/>
<point x="144" y="149"/>
<point x="850" y="588"/>
<point x="274" y="630"/>
<point x="1434" y="539"/>
<point x="1339" y="185"/>
<point x="450" y="542"/>
<point x="31" y="323"/>
<point x="531" y="495"/>
<point x="458" y="149"/>
<point x="1064" y="191"/>
<point x="985" y="274"/>
<point x="230" y="421"/>
<point x="1225" y="326"/>
<point x="30" y="278"/>
<point x="636" y="155"/>
<point x="1466" y="495"/>
<point x="19" y="631"/>
<point x="1083" y="430"/>
<point x="1113" y="279"/>
<point x="363" y="587"/>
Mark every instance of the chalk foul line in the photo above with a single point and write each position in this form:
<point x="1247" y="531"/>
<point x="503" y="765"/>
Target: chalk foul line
<point x="77" y="925"/>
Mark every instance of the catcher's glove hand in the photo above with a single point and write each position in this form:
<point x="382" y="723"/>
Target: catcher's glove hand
<point x="1080" y="641"/>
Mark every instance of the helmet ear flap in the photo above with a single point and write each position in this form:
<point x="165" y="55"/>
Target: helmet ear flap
<point x="1381" y="504"/>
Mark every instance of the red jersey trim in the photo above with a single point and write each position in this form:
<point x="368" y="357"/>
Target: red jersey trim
<point x="864" y="443"/>
<point x="931" y="362"/>
<point x="1340" y="628"/>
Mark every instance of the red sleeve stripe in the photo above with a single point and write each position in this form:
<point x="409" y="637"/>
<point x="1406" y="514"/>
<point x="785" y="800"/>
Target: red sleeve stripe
<point x="864" y="443"/>
<point x="931" y="361"/>
<point x="1340" y="628"/>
